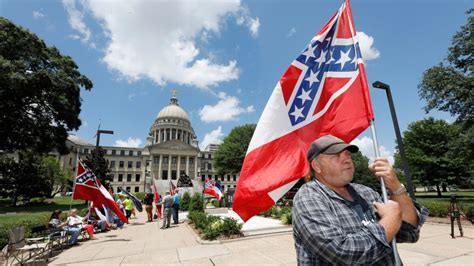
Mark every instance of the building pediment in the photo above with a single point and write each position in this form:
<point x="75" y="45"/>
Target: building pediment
<point x="173" y="145"/>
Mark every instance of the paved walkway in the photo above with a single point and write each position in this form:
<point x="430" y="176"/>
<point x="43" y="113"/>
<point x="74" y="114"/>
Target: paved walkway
<point x="144" y="243"/>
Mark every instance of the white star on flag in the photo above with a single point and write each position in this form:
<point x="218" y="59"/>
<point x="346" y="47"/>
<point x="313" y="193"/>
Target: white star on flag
<point x="304" y="96"/>
<point x="297" y="113"/>
<point x="321" y="58"/>
<point x="344" y="59"/>
<point x="309" y="53"/>
<point x="312" y="78"/>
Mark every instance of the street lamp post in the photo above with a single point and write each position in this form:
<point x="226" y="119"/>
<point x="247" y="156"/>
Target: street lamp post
<point x="100" y="131"/>
<point x="386" y="87"/>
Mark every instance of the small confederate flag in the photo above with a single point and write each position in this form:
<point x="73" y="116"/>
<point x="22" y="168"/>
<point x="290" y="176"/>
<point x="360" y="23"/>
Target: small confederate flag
<point x="323" y="91"/>
<point x="88" y="187"/>
<point x="212" y="189"/>
<point x="172" y="188"/>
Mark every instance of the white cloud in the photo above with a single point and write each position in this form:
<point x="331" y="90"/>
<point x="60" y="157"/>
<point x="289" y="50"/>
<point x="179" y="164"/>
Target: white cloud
<point x="158" y="40"/>
<point x="368" y="51"/>
<point x="252" y="23"/>
<point x="213" y="137"/>
<point x="38" y="14"/>
<point x="75" y="20"/>
<point x="226" y="109"/>
<point x="130" y="142"/>
<point x="366" y="147"/>
<point x="291" y="32"/>
<point x="254" y="26"/>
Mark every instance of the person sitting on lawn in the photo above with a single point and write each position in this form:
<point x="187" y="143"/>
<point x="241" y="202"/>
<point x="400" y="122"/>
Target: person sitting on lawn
<point x="77" y="221"/>
<point x="55" y="224"/>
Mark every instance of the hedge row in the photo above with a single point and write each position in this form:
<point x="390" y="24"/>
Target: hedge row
<point x="29" y="222"/>
<point x="282" y="213"/>
<point x="214" y="226"/>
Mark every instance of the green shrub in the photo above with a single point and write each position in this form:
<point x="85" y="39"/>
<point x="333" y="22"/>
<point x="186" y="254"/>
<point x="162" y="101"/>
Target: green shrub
<point x="436" y="208"/>
<point x="185" y="200"/>
<point x="215" y="203"/>
<point x="286" y="218"/>
<point x="213" y="229"/>
<point x="469" y="211"/>
<point x="268" y="212"/>
<point x="199" y="219"/>
<point x="140" y="195"/>
<point x="27" y="222"/>
<point x="196" y="203"/>
<point x="230" y="226"/>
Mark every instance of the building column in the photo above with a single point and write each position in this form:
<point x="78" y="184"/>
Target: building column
<point x="159" y="167"/>
<point x="159" y="135"/>
<point x="169" y="166"/>
<point x="195" y="167"/>
<point x="177" y="170"/>
<point x="187" y="164"/>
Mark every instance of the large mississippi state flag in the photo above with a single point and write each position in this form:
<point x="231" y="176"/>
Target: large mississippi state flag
<point x="212" y="189"/>
<point x="324" y="91"/>
<point x="88" y="187"/>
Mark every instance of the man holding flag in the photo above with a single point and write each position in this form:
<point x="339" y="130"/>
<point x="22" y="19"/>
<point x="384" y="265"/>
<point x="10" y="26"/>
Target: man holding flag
<point x="335" y="221"/>
<point x="323" y="92"/>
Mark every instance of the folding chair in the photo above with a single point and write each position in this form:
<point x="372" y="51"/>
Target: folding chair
<point x="19" y="250"/>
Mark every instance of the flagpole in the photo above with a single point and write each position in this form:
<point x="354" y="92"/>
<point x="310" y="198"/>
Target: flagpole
<point x="384" y="191"/>
<point x="74" y="180"/>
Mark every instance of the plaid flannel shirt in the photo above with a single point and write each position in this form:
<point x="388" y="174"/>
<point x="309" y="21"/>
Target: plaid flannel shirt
<point x="327" y="231"/>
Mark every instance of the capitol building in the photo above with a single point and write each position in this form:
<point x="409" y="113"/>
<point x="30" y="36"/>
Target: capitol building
<point x="171" y="151"/>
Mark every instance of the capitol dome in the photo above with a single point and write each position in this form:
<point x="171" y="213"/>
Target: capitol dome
<point x="173" y="111"/>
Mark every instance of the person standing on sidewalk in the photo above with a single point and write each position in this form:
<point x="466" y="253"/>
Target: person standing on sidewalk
<point x="167" y="204"/>
<point x="148" y="201"/>
<point x="128" y="204"/>
<point x="336" y="222"/>
<point x="176" y="200"/>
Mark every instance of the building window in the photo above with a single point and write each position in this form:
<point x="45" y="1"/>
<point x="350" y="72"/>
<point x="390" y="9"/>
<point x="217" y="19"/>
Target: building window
<point x="120" y="177"/>
<point x="209" y="156"/>
<point x="129" y="164"/>
<point x="139" y="153"/>
<point x="130" y="153"/>
<point x="173" y="160"/>
<point x="128" y="189"/>
<point x="209" y="166"/>
<point x="121" y="164"/>
<point x="137" y="189"/>
<point x="235" y="178"/>
<point x="138" y="164"/>
<point x="137" y="177"/>
<point x="203" y="178"/>
<point x="112" y="177"/>
<point x="70" y="161"/>
<point x="167" y="135"/>
<point x="203" y="155"/>
<point x="183" y="160"/>
<point x="105" y="151"/>
<point x="86" y="151"/>
<point x="164" y="174"/>
<point x="112" y="164"/>
<point x="114" y="152"/>
<point x="228" y="177"/>
<point x="215" y="178"/>
<point x="173" y="174"/>
<point x="156" y="159"/>
<point x="165" y="160"/>
<point x="129" y="177"/>
<point x="191" y="160"/>
<point x="122" y="152"/>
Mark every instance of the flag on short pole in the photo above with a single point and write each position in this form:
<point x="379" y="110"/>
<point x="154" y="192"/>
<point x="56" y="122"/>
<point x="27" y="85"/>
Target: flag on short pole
<point x="323" y="91"/>
<point x="172" y="188"/>
<point x="212" y="189"/>
<point x="136" y="201"/>
<point x="88" y="187"/>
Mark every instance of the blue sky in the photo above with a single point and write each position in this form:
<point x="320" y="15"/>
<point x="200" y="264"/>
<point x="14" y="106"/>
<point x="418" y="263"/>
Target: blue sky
<point x="225" y="57"/>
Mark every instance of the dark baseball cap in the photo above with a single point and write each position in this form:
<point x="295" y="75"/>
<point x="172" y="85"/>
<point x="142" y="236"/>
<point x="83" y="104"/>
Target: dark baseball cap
<point x="329" y="144"/>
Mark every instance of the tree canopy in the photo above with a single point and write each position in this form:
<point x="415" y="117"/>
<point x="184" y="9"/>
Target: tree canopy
<point x="449" y="86"/>
<point x="438" y="153"/>
<point x="39" y="92"/>
<point x="98" y="164"/>
<point x="231" y="153"/>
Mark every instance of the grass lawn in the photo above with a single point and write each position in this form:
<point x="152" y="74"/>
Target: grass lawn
<point x="11" y="214"/>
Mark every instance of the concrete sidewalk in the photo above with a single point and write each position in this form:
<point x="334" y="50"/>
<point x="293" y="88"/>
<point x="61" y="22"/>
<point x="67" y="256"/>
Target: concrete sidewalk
<point x="145" y="243"/>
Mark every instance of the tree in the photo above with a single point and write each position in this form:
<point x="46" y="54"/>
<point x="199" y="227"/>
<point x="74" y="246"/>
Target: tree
<point x="362" y="174"/>
<point x="98" y="164"/>
<point x="57" y="179"/>
<point x="231" y="153"/>
<point x="449" y="86"/>
<point x="21" y="179"/>
<point x="437" y="153"/>
<point x="39" y="92"/>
